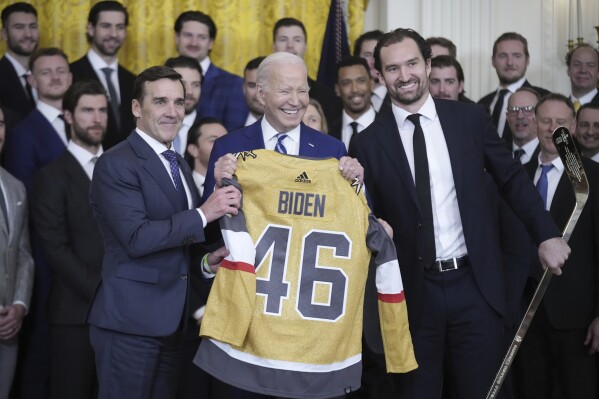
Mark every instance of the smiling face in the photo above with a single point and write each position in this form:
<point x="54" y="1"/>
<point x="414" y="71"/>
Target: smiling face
<point x="354" y="86"/>
<point x="290" y="39"/>
<point x="510" y="61"/>
<point x="194" y="40"/>
<point x="405" y="73"/>
<point x="444" y="83"/>
<point x="587" y="130"/>
<point x="162" y="109"/>
<point x="285" y="95"/>
<point x="583" y="70"/>
<point x="109" y="33"/>
<point x="523" y="124"/>
<point x="193" y="87"/>
<point x="250" y="91"/>
<point x="21" y="33"/>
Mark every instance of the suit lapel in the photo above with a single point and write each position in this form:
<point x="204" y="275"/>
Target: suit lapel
<point x="254" y="137"/>
<point x="75" y="171"/>
<point x="154" y="166"/>
<point x="307" y="144"/>
<point x="563" y="202"/>
<point x="391" y="144"/>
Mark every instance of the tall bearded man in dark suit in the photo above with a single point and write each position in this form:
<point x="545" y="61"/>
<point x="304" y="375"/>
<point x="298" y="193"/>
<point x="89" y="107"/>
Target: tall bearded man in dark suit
<point x="426" y="165"/>
<point x="71" y="240"/>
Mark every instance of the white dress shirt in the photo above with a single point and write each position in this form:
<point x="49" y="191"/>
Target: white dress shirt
<point x="553" y="177"/>
<point x="586" y="98"/>
<point x="449" y="235"/>
<point x="86" y="159"/>
<point x="378" y="96"/>
<point x="159" y="148"/>
<point x="183" y="132"/>
<point x="199" y="180"/>
<point x="529" y="148"/>
<point x="363" y="122"/>
<point x="53" y="116"/>
<point x="98" y="63"/>
<point x="291" y="142"/>
<point x="204" y="65"/>
<point x="250" y="119"/>
<point x="503" y="115"/>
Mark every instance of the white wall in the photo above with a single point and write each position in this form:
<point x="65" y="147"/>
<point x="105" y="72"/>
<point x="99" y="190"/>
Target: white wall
<point x="473" y="25"/>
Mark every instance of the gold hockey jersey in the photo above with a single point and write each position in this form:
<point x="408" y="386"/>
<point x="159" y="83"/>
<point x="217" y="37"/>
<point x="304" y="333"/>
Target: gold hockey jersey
<point x="284" y="316"/>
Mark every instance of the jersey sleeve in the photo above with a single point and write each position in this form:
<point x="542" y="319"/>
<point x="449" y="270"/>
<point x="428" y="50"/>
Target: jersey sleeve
<point x="393" y="312"/>
<point x="230" y="305"/>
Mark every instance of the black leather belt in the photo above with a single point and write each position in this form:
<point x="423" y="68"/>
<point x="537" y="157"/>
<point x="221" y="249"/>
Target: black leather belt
<point x="450" y="264"/>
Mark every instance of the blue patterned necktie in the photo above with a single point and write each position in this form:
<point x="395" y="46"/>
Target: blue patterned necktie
<point x="543" y="183"/>
<point x="171" y="157"/>
<point x="280" y="147"/>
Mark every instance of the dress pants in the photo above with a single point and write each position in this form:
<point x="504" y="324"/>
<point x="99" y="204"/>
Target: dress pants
<point x="136" y="367"/>
<point x="457" y="329"/>
<point x="8" y="363"/>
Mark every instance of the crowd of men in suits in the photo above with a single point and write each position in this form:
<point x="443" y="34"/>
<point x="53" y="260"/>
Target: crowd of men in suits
<point x="58" y="118"/>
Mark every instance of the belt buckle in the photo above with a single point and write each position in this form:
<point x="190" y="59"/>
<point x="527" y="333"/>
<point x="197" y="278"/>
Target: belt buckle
<point x="452" y="266"/>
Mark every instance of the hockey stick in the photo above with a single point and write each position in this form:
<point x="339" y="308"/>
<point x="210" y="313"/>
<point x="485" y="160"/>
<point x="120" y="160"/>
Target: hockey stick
<point x="573" y="166"/>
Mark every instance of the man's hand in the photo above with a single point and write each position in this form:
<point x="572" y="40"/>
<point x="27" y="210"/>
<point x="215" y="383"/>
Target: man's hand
<point x="214" y="258"/>
<point x="11" y="319"/>
<point x="224" y="200"/>
<point x="592" y="338"/>
<point x="553" y="253"/>
<point x="387" y="227"/>
<point x="224" y="168"/>
<point x="350" y="169"/>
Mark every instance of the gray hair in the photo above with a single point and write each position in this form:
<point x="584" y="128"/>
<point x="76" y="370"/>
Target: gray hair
<point x="276" y="59"/>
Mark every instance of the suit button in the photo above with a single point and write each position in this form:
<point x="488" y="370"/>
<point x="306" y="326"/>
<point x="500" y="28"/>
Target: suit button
<point x="183" y="277"/>
<point x="419" y="225"/>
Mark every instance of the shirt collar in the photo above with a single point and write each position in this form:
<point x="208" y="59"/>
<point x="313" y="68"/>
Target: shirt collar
<point x="380" y="91"/>
<point x="557" y="163"/>
<point x="363" y="120"/>
<point x="587" y="97"/>
<point x="48" y="111"/>
<point x="156" y="145"/>
<point x="205" y="64"/>
<point x="82" y="155"/>
<point x="427" y="110"/>
<point x="268" y="132"/>
<point x="514" y="86"/>
<point x="188" y="120"/>
<point x="528" y="147"/>
<point x="98" y="62"/>
<point x="19" y="69"/>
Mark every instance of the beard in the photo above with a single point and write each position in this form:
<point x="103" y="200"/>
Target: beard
<point x="409" y="98"/>
<point x="18" y="49"/>
<point x="103" y="49"/>
<point x="84" y="135"/>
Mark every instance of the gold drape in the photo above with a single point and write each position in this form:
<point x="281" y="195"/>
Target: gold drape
<point x="244" y="28"/>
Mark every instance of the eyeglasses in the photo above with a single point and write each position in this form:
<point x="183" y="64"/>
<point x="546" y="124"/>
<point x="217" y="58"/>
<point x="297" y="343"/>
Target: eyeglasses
<point x="527" y="111"/>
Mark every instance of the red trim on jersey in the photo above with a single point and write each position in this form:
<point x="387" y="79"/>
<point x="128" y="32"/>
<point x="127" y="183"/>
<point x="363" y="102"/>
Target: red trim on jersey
<point x="392" y="298"/>
<point x="241" y="266"/>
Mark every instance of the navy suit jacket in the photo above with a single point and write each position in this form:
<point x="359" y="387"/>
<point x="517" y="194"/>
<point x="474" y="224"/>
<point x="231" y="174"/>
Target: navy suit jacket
<point x="474" y="149"/>
<point x="12" y="93"/>
<point x="82" y="70"/>
<point x="313" y="144"/>
<point x="222" y="98"/>
<point x="147" y="238"/>
<point x="32" y="144"/>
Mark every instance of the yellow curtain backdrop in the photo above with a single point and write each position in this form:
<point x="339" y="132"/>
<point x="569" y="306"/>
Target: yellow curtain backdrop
<point x="244" y="28"/>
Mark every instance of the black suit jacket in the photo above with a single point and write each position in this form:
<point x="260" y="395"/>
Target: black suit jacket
<point x="474" y="148"/>
<point x="83" y="70"/>
<point x="572" y="299"/>
<point x="488" y="99"/>
<point x="12" y="94"/>
<point x="70" y="237"/>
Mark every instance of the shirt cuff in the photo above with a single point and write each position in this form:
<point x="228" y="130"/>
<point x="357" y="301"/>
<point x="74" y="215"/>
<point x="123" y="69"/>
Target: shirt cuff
<point x="205" y="268"/>
<point x="24" y="305"/>
<point x="204" y="223"/>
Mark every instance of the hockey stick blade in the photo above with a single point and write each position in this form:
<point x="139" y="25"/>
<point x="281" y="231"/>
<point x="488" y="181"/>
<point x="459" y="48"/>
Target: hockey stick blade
<point x="573" y="166"/>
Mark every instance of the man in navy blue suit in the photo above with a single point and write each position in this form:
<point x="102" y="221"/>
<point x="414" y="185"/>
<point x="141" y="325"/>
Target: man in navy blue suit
<point x="222" y="92"/>
<point x="282" y="81"/>
<point x="146" y="205"/>
<point x="426" y="164"/>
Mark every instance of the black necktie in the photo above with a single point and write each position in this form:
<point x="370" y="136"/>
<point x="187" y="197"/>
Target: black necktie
<point x="114" y="103"/>
<point x="426" y="228"/>
<point x="354" y="130"/>
<point x="499" y="107"/>
<point x="28" y="89"/>
<point x="518" y="153"/>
